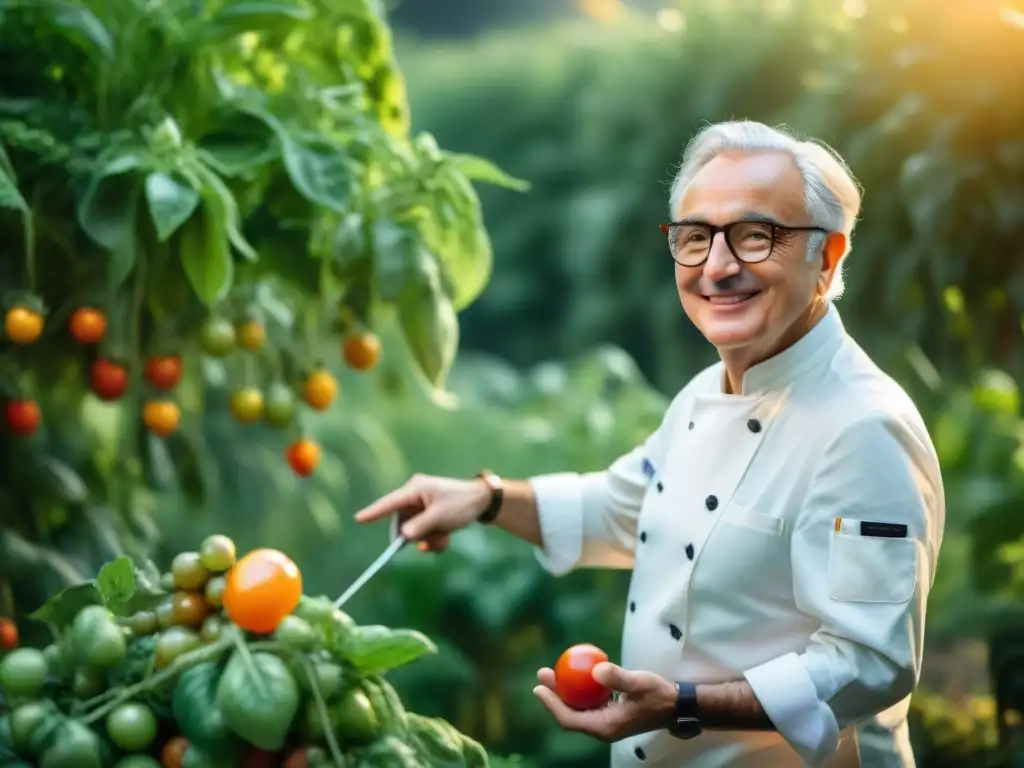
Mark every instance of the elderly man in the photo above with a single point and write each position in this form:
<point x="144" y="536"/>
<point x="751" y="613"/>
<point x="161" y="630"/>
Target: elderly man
<point x="784" y="521"/>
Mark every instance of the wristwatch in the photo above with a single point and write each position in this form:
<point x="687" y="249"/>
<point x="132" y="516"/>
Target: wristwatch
<point x="686" y="724"/>
<point x="497" y="495"/>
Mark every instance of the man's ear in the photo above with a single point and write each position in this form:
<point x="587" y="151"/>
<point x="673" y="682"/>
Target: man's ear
<point x="831" y="253"/>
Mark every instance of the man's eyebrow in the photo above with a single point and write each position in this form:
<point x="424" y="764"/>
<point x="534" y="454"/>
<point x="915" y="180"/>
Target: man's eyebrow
<point x="745" y="216"/>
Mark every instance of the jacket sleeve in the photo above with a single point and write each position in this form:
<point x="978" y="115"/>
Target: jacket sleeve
<point x="864" y="551"/>
<point x="589" y="520"/>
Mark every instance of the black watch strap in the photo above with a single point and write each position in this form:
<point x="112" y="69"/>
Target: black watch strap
<point x="686" y="724"/>
<point x="686" y="701"/>
<point x="497" y="495"/>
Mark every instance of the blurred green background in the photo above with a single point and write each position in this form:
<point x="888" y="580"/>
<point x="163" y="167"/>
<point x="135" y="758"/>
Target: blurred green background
<point x="573" y="348"/>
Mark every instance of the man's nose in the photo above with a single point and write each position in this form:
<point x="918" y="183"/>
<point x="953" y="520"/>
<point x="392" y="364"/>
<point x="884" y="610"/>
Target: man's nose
<point x="721" y="263"/>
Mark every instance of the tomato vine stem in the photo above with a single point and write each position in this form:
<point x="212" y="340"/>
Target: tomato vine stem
<point x="325" y="718"/>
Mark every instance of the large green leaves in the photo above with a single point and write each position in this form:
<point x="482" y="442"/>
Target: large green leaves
<point x="429" y="320"/>
<point x="170" y="201"/>
<point x="258" y="698"/>
<point x="206" y="253"/>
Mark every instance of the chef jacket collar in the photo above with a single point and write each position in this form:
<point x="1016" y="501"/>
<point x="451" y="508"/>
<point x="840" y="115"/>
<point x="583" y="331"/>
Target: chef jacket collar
<point x="816" y="347"/>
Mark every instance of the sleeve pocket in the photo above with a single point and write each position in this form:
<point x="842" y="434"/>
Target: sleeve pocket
<point x="869" y="569"/>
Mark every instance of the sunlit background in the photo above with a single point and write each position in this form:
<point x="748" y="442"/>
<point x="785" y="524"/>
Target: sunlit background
<point x="572" y="350"/>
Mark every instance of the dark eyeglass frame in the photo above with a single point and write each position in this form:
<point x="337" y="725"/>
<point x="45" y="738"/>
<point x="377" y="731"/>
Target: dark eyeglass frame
<point x="725" y="229"/>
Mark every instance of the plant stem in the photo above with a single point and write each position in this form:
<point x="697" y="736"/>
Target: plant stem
<point x="176" y="667"/>
<point x="325" y="717"/>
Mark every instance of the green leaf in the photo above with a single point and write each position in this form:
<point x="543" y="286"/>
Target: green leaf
<point x="394" y="253"/>
<point x="319" y="170"/>
<point x="10" y="196"/>
<point x="429" y="322"/>
<point x="258" y="698"/>
<point x="218" y="195"/>
<point x="60" y="610"/>
<point x="257" y="15"/>
<point x="195" y="709"/>
<point x="459" y="239"/>
<point x="482" y="169"/>
<point x="148" y="593"/>
<point x="83" y="28"/>
<point x="374" y="649"/>
<point x="349" y="243"/>
<point x="104" y="211"/>
<point x="206" y="254"/>
<point x="63" y="480"/>
<point x="171" y="203"/>
<point x="116" y="584"/>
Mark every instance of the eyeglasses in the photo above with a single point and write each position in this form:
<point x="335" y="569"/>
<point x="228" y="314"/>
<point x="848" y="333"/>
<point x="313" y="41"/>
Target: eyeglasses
<point x="749" y="241"/>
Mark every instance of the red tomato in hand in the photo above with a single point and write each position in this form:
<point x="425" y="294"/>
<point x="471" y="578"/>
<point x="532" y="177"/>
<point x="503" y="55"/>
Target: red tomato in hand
<point x="22" y="416"/>
<point x="109" y="380"/>
<point x="574" y="679"/>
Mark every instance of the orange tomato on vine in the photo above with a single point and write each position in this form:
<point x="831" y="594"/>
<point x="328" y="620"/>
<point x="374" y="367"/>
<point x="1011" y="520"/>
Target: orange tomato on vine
<point x="8" y="634"/>
<point x="161" y="417"/>
<point x="23" y="325"/>
<point x="262" y="588"/>
<point x="362" y="350"/>
<point x="303" y="455"/>
<point x="251" y="335"/>
<point x="320" y="390"/>
<point x="88" y="325"/>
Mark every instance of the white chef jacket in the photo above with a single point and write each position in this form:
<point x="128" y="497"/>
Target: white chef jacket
<point x="787" y="535"/>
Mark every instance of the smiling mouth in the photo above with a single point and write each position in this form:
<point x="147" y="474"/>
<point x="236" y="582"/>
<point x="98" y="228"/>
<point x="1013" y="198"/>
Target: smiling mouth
<point x="730" y="299"/>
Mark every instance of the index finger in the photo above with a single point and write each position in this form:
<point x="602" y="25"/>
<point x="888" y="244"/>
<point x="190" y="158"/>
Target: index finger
<point x="397" y="500"/>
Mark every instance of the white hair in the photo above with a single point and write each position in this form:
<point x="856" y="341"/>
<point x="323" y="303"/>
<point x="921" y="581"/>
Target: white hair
<point x="833" y="195"/>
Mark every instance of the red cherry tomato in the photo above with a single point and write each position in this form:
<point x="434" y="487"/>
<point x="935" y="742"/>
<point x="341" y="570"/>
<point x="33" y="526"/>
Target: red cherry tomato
<point x="22" y="417"/>
<point x="109" y="380"/>
<point x="163" y="372"/>
<point x="574" y="679"/>
<point x="8" y="634"/>
<point x="304" y="456"/>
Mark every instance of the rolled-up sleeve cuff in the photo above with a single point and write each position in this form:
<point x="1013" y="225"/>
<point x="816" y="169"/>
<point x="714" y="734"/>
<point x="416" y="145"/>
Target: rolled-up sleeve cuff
<point x="789" y="698"/>
<point x="560" y="510"/>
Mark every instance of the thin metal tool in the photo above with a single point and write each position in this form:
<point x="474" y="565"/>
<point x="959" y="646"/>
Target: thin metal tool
<point x="398" y="541"/>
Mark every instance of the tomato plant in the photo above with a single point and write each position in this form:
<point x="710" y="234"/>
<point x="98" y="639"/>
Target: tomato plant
<point x="109" y="380"/>
<point x="22" y="417"/>
<point x="319" y="390"/>
<point x="23" y="325"/>
<point x="88" y="325"/>
<point x="163" y="372"/>
<point x="262" y="588"/>
<point x="161" y="417"/>
<point x="303" y="456"/>
<point x="574" y="678"/>
<point x="362" y="350"/>
<point x="247" y="405"/>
